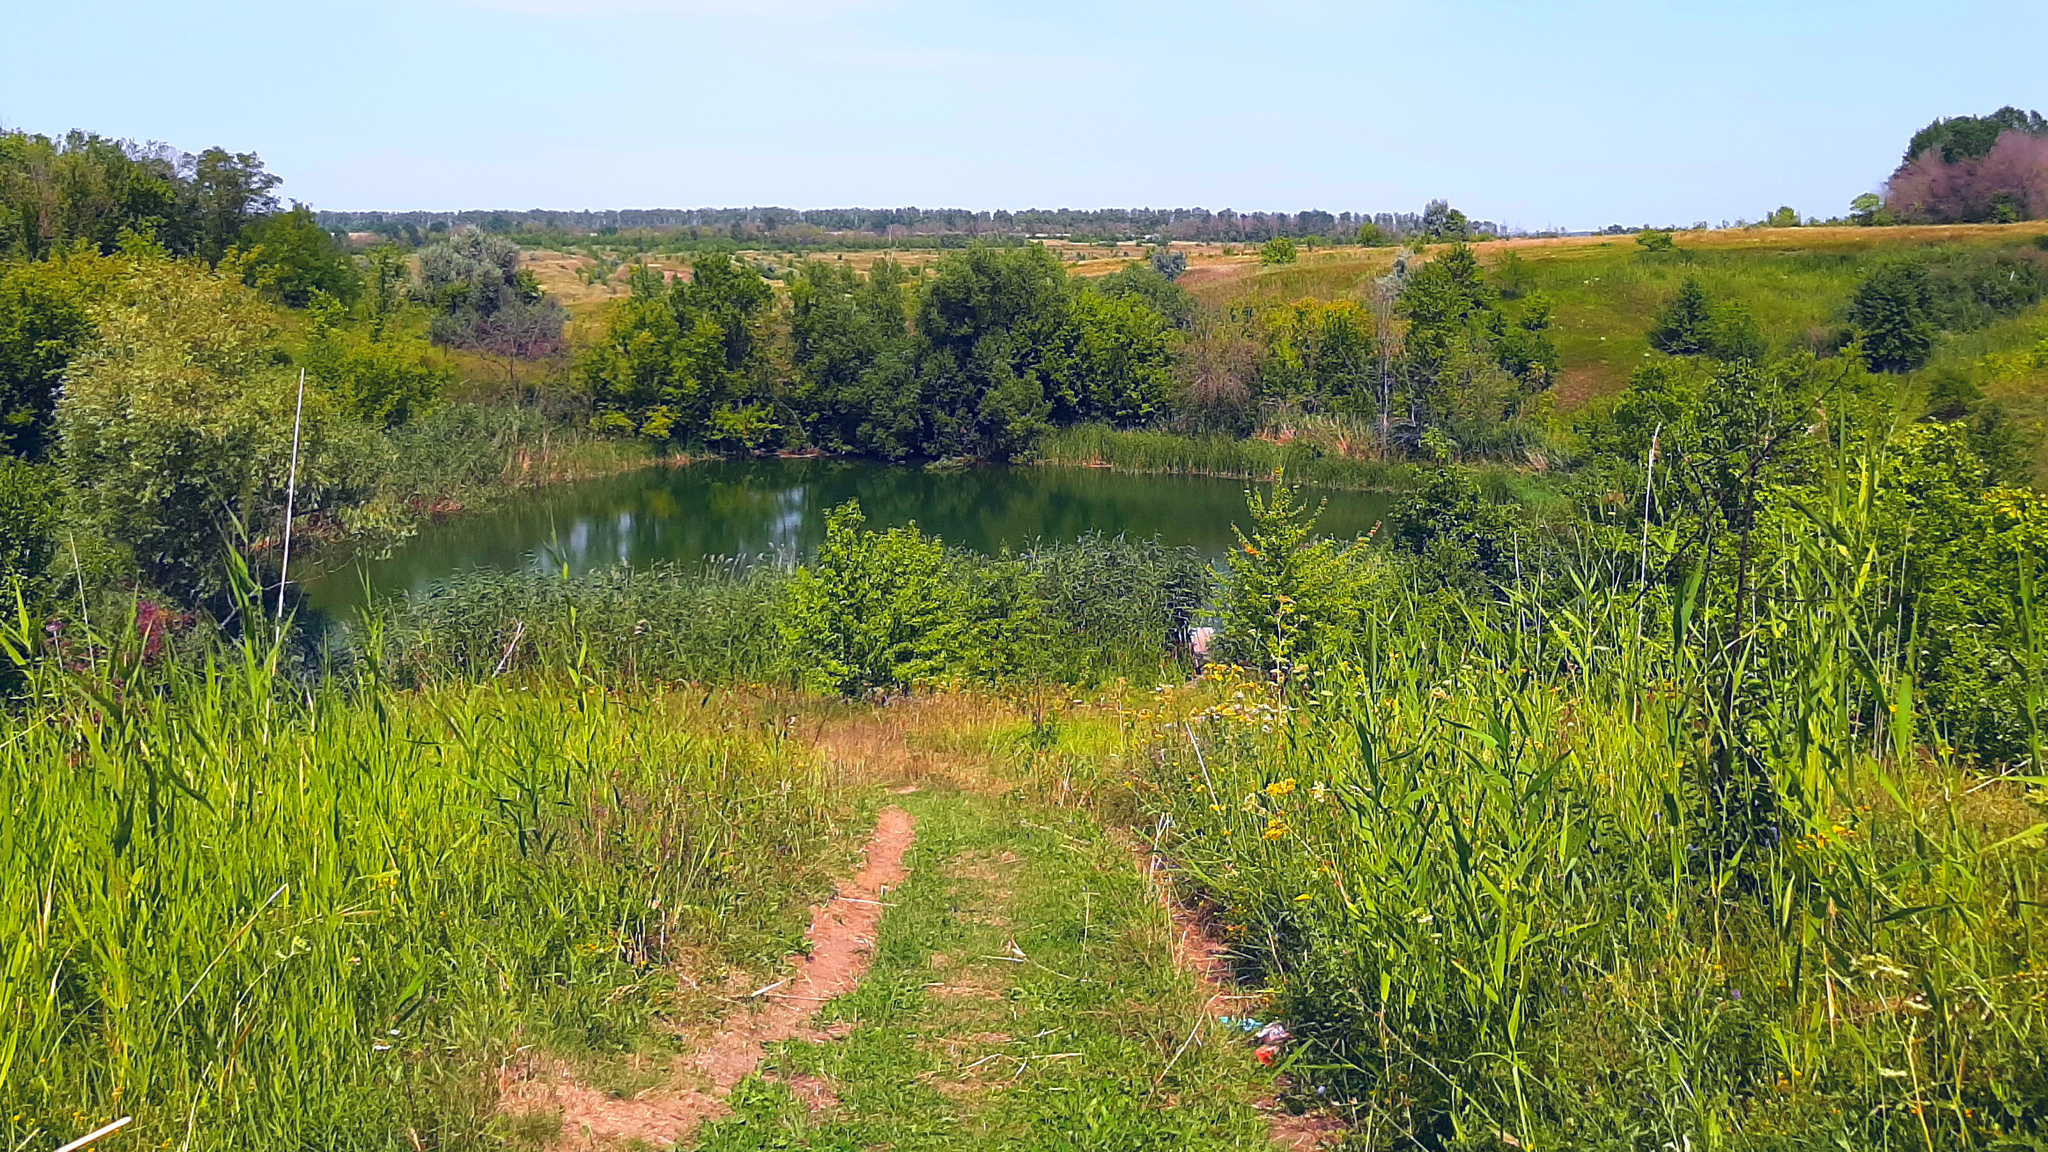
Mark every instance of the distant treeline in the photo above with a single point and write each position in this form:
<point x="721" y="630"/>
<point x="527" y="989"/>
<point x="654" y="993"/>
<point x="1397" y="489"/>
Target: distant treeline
<point x="790" y="225"/>
<point x="86" y="188"/>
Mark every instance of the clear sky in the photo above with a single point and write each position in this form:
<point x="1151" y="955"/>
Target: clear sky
<point x="1537" y="114"/>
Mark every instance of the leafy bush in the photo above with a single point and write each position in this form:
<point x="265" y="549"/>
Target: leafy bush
<point x="1892" y="315"/>
<point x="484" y="302"/>
<point x="290" y="257"/>
<point x="380" y="377"/>
<point x="1279" y="250"/>
<point x="29" y="501"/>
<point x="892" y="610"/>
<point x="177" y="423"/>
<point x="1693" y="324"/>
<point x="1292" y="596"/>
<point x="1454" y="529"/>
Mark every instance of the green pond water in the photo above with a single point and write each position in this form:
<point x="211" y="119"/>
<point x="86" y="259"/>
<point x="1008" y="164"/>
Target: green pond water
<point x="777" y="507"/>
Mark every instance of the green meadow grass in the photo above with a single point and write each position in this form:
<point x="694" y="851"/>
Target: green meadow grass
<point x="1606" y="291"/>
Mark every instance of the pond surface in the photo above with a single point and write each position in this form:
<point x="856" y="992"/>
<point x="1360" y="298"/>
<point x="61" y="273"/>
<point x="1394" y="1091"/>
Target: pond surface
<point x="751" y="507"/>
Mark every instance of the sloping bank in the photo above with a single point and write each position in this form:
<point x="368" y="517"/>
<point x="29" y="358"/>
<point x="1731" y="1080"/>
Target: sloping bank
<point x="1309" y="461"/>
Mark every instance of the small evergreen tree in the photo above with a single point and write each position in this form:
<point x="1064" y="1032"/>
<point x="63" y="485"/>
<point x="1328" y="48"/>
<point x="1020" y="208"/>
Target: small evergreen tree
<point x="1891" y="314"/>
<point x="1290" y="591"/>
<point x="1683" y="326"/>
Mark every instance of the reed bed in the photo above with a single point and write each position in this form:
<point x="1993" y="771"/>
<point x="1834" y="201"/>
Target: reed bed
<point x="1319" y="459"/>
<point x="1099" y="606"/>
<point x="1509" y="890"/>
<point x="251" y="914"/>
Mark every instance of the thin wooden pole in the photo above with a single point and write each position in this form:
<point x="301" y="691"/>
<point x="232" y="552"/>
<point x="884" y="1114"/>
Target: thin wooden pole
<point x="96" y="1133"/>
<point x="291" y="495"/>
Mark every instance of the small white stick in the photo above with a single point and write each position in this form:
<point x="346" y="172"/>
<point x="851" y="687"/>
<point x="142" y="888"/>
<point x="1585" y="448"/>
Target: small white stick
<point x="291" y="495"/>
<point x="96" y="1133"/>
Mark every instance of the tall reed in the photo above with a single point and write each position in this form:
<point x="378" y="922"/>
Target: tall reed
<point x="255" y="914"/>
<point x="1489" y="864"/>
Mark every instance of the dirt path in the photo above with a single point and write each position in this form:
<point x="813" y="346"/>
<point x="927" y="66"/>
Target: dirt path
<point x="842" y="940"/>
<point x="1031" y="986"/>
<point x="1199" y="950"/>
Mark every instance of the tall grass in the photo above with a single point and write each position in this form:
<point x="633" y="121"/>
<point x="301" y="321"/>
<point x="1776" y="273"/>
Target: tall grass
<point x="1100" y="606"/>
<point x="1495" y="869"/>
<point x="254" y="915"/>
<point x="713" y="622"/>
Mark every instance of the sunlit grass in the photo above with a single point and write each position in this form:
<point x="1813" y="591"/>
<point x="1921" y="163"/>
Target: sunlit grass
<point x="258" y="915"/>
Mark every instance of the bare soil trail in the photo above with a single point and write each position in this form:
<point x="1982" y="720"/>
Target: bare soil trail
<point x="842" y="938"/>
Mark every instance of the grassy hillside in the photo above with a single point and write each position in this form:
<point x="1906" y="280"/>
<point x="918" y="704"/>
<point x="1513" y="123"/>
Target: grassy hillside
<point x="1606" y="292"/>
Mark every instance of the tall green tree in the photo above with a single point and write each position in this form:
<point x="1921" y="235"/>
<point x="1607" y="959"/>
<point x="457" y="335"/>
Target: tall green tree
<point x="855" y="359"/>
<point x="84" y="188"/>
<point x="1683" y="324"/>
<point x="1113" y="363"/>
<point x="686" y="359"/>
<point x="226" y="192"/>
<point x="46" y="317"/>
<point x="1692" y="323"/>
<point x="987" y="321"/>
<point x="294" y="260"/>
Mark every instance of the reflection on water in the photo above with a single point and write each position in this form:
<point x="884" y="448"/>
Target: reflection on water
<point x="742" y="508"/>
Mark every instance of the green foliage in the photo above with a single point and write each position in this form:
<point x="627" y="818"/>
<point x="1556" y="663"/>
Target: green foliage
<point x="1965" y="544"/>
<point x="1278" y="250"/>
<point x="482" y="301"/>
<point x="1891" y="314"/>
<point x="1972" y="137"/>
<point x="1113" y="366"/>
<point x="1865" y="207"/>
<point x="881" y="611"/>
<point x="1693" y="324"/>
<point x="382" y="377"/>
<point x="176" y="422"/>
<point x="1441" y="222"/>
<point x="226" y="193"/>
<point x="1155" y="288"/>
<point x="1455" y="530"/>
<point x="342" y="906"/>
<point x="30" y="498"/>
<point x="1292" y="596"/>
<point x="678" y="352"/>
<point x="1371" y="235"/>
<point x="1168" y="263"/>
<point x="852" y="349"/>
<point x="1656" y="240"/>
<point x="1513" y="275"/>
<point x="987" y="323"/>
<point x="1951" y="393"/>
<point x="1320" y="355"/>
<point x="294" y="260"/>
<point x="86" y="189"/>
<point x="1784" y="217"/>
<point x="1467" y="366"/>
<point x="45" y="318"/>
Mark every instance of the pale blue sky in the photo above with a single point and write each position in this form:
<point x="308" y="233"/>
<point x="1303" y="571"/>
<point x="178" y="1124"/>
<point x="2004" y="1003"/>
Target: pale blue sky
<point x="1536" y="114"/>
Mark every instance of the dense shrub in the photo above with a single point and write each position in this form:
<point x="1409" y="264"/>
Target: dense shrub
<point x="30" y="499"/>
